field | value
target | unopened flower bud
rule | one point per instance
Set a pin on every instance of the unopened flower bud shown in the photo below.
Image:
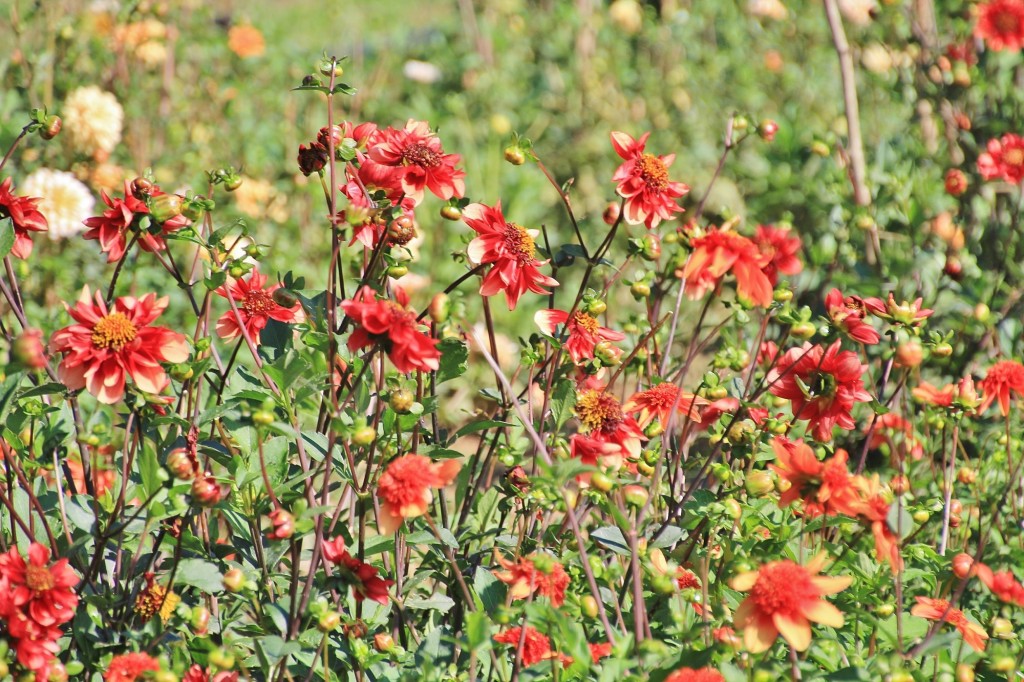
(50, 128)
(515, 155)
(635, 495)
(401, 400)
(383, 642)
(759, 483)
(165, 207)
(611, 213)
(181, 464)
(206, 492)
(283, 525)
(449, 212)
(29, 350)
(329, 621)
(767, 130)
(233, 580)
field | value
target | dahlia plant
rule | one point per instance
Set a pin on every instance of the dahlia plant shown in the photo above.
(678, 450)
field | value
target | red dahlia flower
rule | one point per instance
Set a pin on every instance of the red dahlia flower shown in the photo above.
(695, 675)
(1003, 378)
(404, 490)
(418, 152)
(643, 182)
(256, 306)
(42, 591)
(874, 509)
(824, 486)
(720, 251)
(785, 598)
(940, 609)
(535, 573)
(610, 435)
(584, 331)
(1001, 24)
(25, 217)
(848, 313)
(782, 247)
(1004, 159)
(364, 578)
(123, 215)
(130, 667)
(106, 345)
(510, 250)
(392, 325)
(658, 402)
(536, 646)
(822, 384)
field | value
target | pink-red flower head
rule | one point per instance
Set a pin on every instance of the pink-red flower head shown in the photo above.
(644, 183)
(405, 488)
(720, 251)
(417, 152)
(1003, 158)
(256, 306)
(392, 325)
(106, 346)
(1001, 24)
(584, 331)
(823, 385)
(510, 251)
(25, 217)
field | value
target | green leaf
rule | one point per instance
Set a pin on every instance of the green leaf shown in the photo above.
(6, 238)
(478, 629)
(435, 602)
(563, 400)
(612, 538)
(489, 589)
(203, 575)
(479, 426)
(900, 521)
(454, 354)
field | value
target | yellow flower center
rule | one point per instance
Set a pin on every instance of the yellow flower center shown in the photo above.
(519, 241)
(114, 331)
(598, 410)
(587, 322)
(653, 172)
(38, 578)
(1014, 157)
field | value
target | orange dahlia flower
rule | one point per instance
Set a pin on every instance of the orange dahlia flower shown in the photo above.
(106, 346)
(1003, 378)
(785, 598)
(536, 573)
(695, 675)
(940, 609)
(658, 402)
(720, 251)
(824, 486)
(404, 490)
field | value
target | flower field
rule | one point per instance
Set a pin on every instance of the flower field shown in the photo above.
(515, 340)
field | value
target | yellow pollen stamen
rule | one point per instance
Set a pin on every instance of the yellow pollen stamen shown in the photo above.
(519, 241)
(1014, 157)
(653, 172)
(114, 331)
(597, 410)
(38, 578)
(587, 322)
